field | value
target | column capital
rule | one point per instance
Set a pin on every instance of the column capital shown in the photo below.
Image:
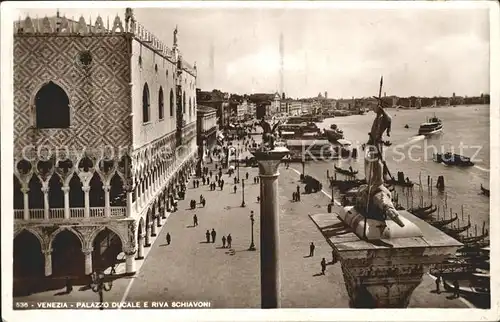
(106, 187)
(25, 190)
(65, 189)
(45, 189)
(47, 251)
(88, 250)
(86, 188)
(269, 160)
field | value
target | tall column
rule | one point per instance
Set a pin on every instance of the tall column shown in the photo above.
(269, 225)
(148, 234)
(107, 206)
(137, 198)
(66, 202)
(26, 203)
(140, 246)
(48, 261)
(88, 259)
(129, 201)
(45, 191)
(130, 261)
(86, 190)
(153, 226)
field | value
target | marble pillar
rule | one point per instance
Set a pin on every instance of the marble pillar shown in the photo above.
(269, 225)
(26, 203)
(107, 206)
(130, 260)
(45, 191)
(153, 226)
(140, 246)
(66, 202)
(48, 261)
(86, 190)
(147, 242)
(88, 260)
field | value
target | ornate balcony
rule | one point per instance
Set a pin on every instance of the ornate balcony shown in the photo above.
(74, 213)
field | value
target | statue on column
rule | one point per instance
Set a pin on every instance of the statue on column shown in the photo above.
(269, 134)
(374, 199)
(175, 36)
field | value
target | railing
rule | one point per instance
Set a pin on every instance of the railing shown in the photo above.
(56, 213)
(118, 211)
(74, 213)
(37, 213)
(18, 213)
(97, 212)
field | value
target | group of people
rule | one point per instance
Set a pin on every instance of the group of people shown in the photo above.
(211, 236)
(456, 286)
(296, 194)
(312, 247)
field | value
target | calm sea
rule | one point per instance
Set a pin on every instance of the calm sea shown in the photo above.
(465, 131)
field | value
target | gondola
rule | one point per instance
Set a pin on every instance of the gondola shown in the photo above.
(485, 191)
(449, 158)
(425, 213)
(345, 172)
(453, 232)
(395, 182)
(473, 239)
(443, 222)
(420, 209)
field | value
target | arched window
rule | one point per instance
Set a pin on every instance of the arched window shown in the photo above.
(184, 102)
(160, 104)
(190, 107)
(171, 103)
(145, 104)
(52, 107)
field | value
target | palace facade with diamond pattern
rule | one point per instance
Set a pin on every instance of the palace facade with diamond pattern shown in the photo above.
(104, 139)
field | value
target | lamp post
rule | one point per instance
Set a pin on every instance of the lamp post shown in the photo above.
(98, 285)
(243, 192)
(238, 165)
(252, 245)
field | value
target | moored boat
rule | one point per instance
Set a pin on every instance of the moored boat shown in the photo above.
(449, 158)
(485, 191)
(334, 133)
(433, 125)
(442, 222)
(349, 172)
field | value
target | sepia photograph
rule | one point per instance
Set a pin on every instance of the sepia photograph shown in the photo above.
(250, 155)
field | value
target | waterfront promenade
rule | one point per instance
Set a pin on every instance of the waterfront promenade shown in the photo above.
(189, 269)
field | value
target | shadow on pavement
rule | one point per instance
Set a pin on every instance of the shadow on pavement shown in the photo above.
(318, 274)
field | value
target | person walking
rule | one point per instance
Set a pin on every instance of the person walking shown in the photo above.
(298, 193)
(211, 173)
(235, 188)
(246, 175)
(207, 235)
(213, 234)
(221, 184)
(456, 289)
(311, 249)
(168, 238)
(223, 241)
(69, 285)
(438, 283)
(323, 266)
(229, 240)
(201, 198)
(195, 220)
(203, 202)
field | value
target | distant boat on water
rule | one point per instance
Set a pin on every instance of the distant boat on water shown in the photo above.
(433, 125)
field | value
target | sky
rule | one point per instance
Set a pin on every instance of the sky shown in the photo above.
(421, 52)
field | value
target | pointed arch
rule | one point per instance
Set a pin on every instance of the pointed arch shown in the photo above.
(35, 194)
(161, 108)
(18, 194)
(145, 104)
(67, 256)
(76, 194)
(106, 244)
(96, 193)
(28, 258)
(117, 195)
(52, 108)
(171, 102)
(56, 195)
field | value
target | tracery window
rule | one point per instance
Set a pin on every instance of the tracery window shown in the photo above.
(52, 107)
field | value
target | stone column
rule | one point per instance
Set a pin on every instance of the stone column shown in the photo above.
(86, 190)
(26, 203)
(140, 246)
(45, 191)
(107, 206)
(48, 261)
(130, 260)
(66, 202)
(153, 226)
(137, 198)
(161, 215)
(129, 201)
(148, 234)
(269, 226)
(88, 260)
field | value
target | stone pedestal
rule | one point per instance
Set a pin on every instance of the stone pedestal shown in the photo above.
(382, 273)
(130, 263)
(269, 225)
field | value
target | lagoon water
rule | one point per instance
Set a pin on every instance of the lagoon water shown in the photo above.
(466, 131)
